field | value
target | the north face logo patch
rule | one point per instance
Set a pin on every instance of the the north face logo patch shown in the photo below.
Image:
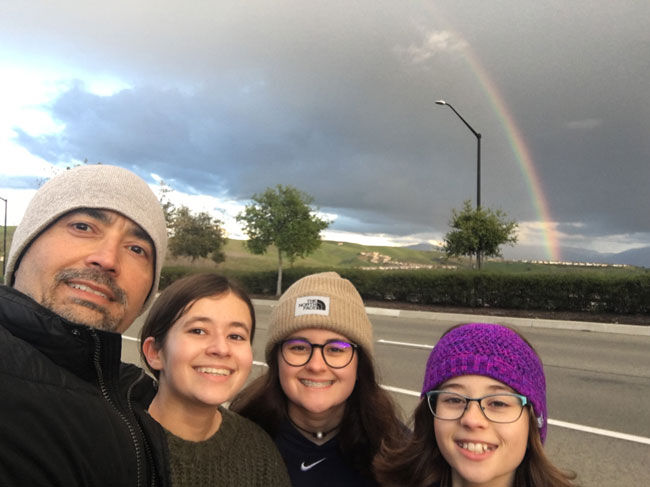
(313, 305)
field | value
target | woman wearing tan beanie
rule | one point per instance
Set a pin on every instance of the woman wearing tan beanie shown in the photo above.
(320, 400)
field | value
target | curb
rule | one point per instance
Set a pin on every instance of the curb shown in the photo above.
(634, 330)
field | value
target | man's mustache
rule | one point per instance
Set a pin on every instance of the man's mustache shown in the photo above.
(94, 275)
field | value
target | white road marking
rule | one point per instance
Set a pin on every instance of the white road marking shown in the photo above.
(555, 422)
(599, 431)
(406, 344)
(399, 390)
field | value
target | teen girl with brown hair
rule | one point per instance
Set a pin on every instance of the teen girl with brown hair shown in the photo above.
(319, 399)
(197, 343)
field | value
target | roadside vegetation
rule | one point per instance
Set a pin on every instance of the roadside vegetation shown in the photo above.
(342, 255)
(428, 277)
(420, 277)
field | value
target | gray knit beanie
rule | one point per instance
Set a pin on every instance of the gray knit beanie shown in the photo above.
(95, 186)
(326, 301)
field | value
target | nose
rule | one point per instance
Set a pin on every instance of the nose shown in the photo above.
(218, 346)
(473, 416)
(316, 362)
(105, 256)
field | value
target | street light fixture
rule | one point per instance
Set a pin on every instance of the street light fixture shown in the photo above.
(478, 151)
(478, 163)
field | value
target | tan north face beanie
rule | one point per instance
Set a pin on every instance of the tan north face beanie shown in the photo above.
(325, 301)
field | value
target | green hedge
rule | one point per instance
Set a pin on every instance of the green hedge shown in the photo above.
(531, 291)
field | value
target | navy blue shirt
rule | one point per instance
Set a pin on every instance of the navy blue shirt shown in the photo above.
(312, 465)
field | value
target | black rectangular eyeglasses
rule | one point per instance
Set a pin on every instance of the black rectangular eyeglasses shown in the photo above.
(336, 353)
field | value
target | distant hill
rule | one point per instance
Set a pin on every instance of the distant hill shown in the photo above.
(634, 257)
(344, 255)
(424, 246)
(330, 254)
(638, 257)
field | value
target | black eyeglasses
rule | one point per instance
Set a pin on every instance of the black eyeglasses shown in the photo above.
(498, 408)
(336, 353)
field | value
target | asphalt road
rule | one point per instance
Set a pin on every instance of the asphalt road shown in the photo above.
(598, 386)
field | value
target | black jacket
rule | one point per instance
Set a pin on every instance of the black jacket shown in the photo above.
(70, 413)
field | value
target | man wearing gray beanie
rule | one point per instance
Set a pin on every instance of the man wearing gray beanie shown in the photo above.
(85, 261)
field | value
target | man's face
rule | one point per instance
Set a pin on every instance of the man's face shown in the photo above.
(93, 267)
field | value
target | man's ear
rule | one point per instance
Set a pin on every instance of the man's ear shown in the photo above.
(152, 353)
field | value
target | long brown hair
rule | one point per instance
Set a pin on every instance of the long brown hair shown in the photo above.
(177, 298)
(417, 463)
(370, 417)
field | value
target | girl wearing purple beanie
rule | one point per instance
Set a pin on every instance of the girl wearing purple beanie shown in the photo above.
(482, 419)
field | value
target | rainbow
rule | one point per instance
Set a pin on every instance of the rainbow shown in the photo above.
(521, 152)
(517, 144)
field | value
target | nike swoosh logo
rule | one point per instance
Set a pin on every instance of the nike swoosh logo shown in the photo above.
(305, 468)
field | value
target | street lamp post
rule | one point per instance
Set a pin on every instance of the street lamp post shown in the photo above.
(478, 164)
(4, 245)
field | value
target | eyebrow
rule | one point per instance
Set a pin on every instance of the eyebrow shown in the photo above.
(326, 340)
(492, 388)
(207, 319)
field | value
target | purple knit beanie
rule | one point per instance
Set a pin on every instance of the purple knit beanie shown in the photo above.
(493, 351)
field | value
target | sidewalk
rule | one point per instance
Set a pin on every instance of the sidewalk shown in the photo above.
(515, 321)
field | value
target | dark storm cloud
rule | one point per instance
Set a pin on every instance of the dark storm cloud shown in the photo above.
(216, 145)
(338, 100)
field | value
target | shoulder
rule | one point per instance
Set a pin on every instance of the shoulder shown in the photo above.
(243, 426)
(252, 442)
(136, 385)
(249, 437)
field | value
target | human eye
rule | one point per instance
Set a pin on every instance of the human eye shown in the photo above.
(196, 331)
(500, 402)
(136, 249)
(337, 347)
(298, 346)
(237, 337)
(80, 226)
(139, 247)
(452, 399)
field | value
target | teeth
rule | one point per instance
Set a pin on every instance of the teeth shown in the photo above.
(475, 447)
(311, 383)
(87, 289)
(213, 371)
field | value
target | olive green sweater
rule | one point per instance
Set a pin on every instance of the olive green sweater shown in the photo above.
(239, 454)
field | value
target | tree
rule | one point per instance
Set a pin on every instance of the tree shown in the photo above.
(167, 206)
(479, 231)
(282, 216)
(196, 235)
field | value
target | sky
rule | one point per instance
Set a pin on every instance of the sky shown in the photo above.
(223, 99)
